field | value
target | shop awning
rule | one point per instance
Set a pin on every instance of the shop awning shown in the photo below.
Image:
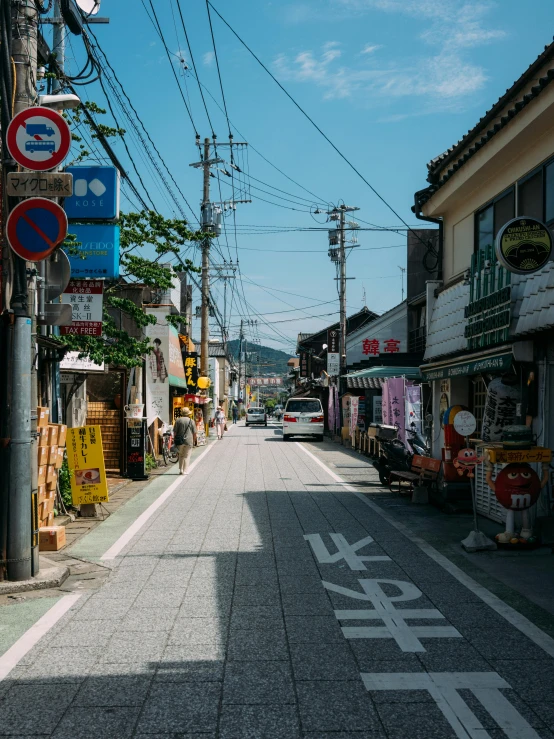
(499, 360)
(374, 376)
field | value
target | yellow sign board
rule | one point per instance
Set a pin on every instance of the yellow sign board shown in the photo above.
(85, 458)
(533, 455)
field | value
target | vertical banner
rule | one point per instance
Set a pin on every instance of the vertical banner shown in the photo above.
(191, 371)
(85, 459)
(413, 406)
(331, 409)
(157, 374)
(385, 404)
(354, 405)
(397, 405)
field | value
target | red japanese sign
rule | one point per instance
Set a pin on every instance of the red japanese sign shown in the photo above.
(374, 347)
(86, 300)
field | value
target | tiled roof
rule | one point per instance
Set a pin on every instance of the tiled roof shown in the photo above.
(375, 383)
(489, 125)
(447, 322)
(534, 306)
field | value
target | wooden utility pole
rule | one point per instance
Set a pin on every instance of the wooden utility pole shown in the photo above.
(206, 219)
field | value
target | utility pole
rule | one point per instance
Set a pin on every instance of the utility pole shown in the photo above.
(22, 445)
(205, 329)
(337, 238)
(402, 270)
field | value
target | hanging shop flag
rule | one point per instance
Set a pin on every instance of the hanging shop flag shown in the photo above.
(413, 406)
(386, 416)
(397, 405)
(85, 459)
(354, 405)
(500, 408)
(86, 300)
(164, 366)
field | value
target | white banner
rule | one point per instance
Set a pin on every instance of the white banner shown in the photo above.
(157, 375)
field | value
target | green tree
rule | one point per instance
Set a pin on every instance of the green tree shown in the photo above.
(166, 238)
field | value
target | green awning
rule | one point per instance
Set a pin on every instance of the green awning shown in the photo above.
(472, 364)
(410, 373)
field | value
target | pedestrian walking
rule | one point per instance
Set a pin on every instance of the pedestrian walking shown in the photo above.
(220, 421)
(184, 433)
(235, 414)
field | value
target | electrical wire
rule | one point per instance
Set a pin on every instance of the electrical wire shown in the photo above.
(314, 124)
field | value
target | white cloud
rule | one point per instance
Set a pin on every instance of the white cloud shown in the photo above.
(370, 48)
(208, 58)
(439, 80)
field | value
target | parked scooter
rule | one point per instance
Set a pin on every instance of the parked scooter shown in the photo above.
(395, 455)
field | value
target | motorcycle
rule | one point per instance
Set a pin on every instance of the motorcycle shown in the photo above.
(395, 455)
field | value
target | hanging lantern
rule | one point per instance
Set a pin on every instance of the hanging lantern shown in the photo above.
(204, 382)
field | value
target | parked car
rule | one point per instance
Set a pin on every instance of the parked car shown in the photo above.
(303, 417)
(256, 414)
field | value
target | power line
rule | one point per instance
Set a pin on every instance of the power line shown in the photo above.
(314, 124)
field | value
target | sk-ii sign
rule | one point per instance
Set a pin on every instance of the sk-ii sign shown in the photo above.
(95, 194)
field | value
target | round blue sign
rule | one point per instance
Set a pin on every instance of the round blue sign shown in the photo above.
(35, 227)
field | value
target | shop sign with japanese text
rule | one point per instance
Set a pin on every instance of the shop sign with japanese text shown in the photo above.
(85, 458)
(261, 381)
(191, 370)
(333, 340)
(44, 184)
(524, 245)
(305, 364)
(375, 347)
(534, 455)
(501, 363)
(86, 300)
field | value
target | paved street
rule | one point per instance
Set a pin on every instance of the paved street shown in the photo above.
(266, 598)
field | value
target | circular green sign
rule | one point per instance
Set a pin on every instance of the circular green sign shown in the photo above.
(524, 245)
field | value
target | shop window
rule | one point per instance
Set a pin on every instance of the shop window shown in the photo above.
(530, 196)
(478, 400)
(485, 227)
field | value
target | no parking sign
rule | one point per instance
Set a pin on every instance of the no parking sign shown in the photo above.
(35, 227)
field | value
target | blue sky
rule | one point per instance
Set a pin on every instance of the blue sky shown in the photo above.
(392, 82)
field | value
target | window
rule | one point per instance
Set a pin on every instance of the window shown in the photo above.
(490, 220)
(549, 193)
(303, 406)
(529, 193)
(535, 194)
(478, 400)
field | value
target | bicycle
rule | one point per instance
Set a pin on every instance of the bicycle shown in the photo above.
(170, 452)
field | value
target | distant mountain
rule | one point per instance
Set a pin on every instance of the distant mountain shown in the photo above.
(271, 361)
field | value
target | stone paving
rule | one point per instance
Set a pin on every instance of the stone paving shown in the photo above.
(263, 599)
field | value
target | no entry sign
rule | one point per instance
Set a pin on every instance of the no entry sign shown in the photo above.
(35, 227)
(38, 139)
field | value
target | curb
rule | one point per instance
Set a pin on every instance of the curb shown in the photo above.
(50, 576)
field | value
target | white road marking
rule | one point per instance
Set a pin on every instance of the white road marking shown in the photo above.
(345, 551)
(31, 637)
(394, 620)
(444, 686)
(517, 620)
(137, 525)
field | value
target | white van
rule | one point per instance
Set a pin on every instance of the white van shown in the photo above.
(303, 417)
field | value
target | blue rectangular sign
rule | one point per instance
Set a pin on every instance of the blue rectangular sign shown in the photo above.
(98, 250)
(95, 194)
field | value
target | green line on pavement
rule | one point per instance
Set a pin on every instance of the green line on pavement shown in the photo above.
(16, 618)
